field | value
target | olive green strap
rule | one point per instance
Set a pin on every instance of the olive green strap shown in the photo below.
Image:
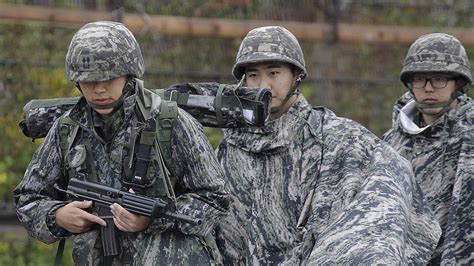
(175, 96)
(59, 253)
(218, 105)
(67, 133)
(168, 111)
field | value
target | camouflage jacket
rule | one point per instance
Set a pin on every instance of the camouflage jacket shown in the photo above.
(442, 157)
(198, 185)
(365, 208)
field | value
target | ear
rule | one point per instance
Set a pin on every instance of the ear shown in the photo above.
(460, 83)
(297, 74)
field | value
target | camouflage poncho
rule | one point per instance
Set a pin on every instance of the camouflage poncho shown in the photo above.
(442, 157)
(366, 208)
(198, 187)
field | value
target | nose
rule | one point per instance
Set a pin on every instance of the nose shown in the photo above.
(265, 83)
(429, 86)
(99, 87)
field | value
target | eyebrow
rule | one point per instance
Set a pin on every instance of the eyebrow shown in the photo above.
(250, 69)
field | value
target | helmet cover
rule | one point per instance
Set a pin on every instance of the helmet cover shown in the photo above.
(103, 50)
(270, 43)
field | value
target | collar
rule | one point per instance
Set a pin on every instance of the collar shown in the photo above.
(407, 117)
(275, 135)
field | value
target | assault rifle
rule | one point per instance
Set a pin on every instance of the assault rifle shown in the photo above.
(103, 196)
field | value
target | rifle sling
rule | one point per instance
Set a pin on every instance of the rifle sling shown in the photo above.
(59, 253)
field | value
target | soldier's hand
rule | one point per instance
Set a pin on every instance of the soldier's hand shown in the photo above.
(127, 221)
(75, 219)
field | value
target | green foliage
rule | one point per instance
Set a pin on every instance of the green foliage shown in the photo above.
(17, 151)
(307, 91)
(214, 135)
(358, 81)
(19, 250)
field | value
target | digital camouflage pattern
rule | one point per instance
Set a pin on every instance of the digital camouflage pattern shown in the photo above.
(198, 185)
(436, 52)
(198, 99)
(442, 158)
(39, 115)
(366, 208)
(271, 43)
(103, 50)
(228, 106)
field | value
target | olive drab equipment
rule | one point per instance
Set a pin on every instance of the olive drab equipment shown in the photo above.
(271, 43)
(158, 130)
(212, 104)
(221, 105)
(153, 132)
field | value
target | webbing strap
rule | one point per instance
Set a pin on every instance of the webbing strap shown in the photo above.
(67, 134)
(147, 137)
(218, 105)
(59, 253)
(156, 129)
(168, 111)
(179, 97)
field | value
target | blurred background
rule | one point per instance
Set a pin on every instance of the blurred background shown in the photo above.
(354, 52)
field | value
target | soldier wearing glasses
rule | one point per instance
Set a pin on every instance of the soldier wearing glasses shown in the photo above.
(433, 129)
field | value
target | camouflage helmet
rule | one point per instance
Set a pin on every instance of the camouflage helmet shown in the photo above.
(103, 50)
(436, 52)
(270, 43)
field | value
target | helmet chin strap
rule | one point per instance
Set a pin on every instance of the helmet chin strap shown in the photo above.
(278, 110)
(443, 105)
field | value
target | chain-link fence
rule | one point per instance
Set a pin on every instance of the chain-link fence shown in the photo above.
(356, 80)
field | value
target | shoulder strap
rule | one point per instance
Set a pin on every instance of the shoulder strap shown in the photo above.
(168, 111)
(59, 252)
(157, 131)
(67, 134)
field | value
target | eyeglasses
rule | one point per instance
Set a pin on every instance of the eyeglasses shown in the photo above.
(438, 82)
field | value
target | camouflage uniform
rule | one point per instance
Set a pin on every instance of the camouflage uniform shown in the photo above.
(441, 154)
(197, 182)
(313, 188)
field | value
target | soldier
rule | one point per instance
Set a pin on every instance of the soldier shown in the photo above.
(100, 140)
(433, 128)
(310, 187)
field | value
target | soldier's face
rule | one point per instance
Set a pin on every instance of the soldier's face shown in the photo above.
(103, 93)
(276, 76)
(433, 92)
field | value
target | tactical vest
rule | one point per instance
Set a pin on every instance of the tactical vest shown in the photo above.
(156, 133)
